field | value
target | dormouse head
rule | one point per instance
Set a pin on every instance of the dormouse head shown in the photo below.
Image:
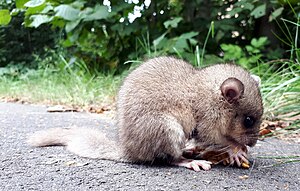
(244, 109)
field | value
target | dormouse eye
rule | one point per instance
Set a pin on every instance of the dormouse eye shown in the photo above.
(249, 122)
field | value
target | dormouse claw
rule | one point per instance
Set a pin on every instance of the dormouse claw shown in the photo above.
(237, 156)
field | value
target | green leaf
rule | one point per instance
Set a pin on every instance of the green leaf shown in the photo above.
(244, 62)
(20, 3)
(129, 30)
(249, 48)
(72, 25)
(259, 43)
(246, 5)
(37, 20)
(275, 14)
(15, 12)
(159, 39)
(47, 9)
(35, 10)
(67, 43)
(193, 41)
(254, 58)
(259, 11)
(173, 23)
(189, 35)
(56, 22)
(73, 37)
(232, 52)
(4, 17)
(99, 12)
(78, 4)
(67, 12)
(252, 49)
(235, 11)
(181, 44)
(85, 12)
(34, 3)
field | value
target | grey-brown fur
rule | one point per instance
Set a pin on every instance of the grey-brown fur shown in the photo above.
(165, 89)
(163, 101)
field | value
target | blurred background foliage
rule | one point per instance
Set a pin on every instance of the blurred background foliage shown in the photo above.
(103, 35)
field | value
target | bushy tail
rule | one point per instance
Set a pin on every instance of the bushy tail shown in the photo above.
(85, 142)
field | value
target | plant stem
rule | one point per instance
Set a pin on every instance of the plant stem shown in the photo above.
(205, 42)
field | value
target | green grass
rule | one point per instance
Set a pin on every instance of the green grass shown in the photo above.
(281, 90)
(60, 87)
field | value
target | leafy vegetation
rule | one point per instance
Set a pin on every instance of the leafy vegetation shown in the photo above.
(105, 35)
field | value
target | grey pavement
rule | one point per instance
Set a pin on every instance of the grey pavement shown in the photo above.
(53, 168)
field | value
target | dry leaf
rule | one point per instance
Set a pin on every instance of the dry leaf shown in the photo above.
(264, 132)
(98, 109)
(61, 108)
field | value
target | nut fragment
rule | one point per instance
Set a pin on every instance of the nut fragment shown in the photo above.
(244, 177)
(245, 165)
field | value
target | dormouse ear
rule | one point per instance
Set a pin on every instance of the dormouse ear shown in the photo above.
(232, 89)
(257, 79)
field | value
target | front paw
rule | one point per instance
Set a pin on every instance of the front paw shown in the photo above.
(238, 156)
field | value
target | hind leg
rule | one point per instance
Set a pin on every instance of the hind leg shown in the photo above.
(157, 137)
(152, 137)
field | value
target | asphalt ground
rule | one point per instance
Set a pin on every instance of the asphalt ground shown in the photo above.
(53, 168)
